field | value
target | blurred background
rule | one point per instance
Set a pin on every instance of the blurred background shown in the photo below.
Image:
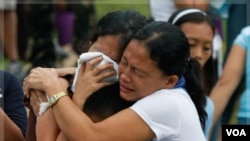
(52, 33)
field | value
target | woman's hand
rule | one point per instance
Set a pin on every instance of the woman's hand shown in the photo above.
(89, 79)
(42, 79)
(36, 98)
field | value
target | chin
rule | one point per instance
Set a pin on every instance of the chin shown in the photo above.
(127, 97)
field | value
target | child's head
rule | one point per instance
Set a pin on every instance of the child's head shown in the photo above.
(105, 102)
(116, 28)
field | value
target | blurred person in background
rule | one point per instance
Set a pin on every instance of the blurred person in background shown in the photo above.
(13, 115)
(8, 36)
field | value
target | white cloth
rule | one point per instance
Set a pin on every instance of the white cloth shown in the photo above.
(161, 10)
(171, 115)
(85, 57)
(43, 107)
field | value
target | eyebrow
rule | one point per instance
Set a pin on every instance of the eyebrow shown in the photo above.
(195, 39)
(125, 58)
(140, 70)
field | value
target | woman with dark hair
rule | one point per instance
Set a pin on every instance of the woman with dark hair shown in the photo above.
(200, 31)
(154, 61)
(110, 36)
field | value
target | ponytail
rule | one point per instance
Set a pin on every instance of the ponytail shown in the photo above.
(195, 89)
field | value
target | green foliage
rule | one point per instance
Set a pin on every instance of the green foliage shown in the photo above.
(104, 6)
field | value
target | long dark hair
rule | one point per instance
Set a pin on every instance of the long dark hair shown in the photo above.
(182, 16)
(168, 46)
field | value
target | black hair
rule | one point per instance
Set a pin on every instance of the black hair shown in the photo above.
(209, 70)
(196, 17)
(105, 102)
(121, 22)
(169, 48)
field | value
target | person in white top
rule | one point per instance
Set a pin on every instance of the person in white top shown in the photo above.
(161, 10)
(154, 61)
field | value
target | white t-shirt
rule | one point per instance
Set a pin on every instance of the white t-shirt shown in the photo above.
(171, 114)
(161, 10)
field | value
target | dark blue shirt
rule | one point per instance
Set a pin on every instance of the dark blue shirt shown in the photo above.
(11, 100)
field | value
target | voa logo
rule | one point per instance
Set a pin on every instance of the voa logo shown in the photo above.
(236, 132)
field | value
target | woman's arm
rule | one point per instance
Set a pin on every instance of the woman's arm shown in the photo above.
(46, 127)
(228, 81)
(76, 125)
(11, 131)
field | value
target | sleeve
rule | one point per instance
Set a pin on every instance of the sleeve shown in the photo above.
(243, 38)
(158, 112)
(13, 101)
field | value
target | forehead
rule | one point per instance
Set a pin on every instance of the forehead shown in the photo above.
(137, 48)
(197, 29)
(137, 54)
(138, 59)
(109, 45)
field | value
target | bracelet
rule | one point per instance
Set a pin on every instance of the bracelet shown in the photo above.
(54, 98)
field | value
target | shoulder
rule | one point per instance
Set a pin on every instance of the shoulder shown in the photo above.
(8, 77)
(170, 99)
(165, 94)
(12, 88)
(243, 38)
(9, 80)
(161, 108)
(246, 30)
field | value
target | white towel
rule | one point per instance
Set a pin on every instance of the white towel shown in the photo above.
(43, 107)
(85, 57)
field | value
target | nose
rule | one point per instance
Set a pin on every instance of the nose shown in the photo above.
(196, 53)
(124, 75)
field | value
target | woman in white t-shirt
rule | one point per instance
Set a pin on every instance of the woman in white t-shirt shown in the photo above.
(154, 61)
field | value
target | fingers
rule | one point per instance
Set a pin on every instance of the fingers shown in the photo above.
(34, 102)
(26, 88)
(105, 74)
(36, 97)
(42, 97)
(97, 69)
(26, 85)
(90, 65)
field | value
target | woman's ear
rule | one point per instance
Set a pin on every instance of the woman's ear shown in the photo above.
(172, 80)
